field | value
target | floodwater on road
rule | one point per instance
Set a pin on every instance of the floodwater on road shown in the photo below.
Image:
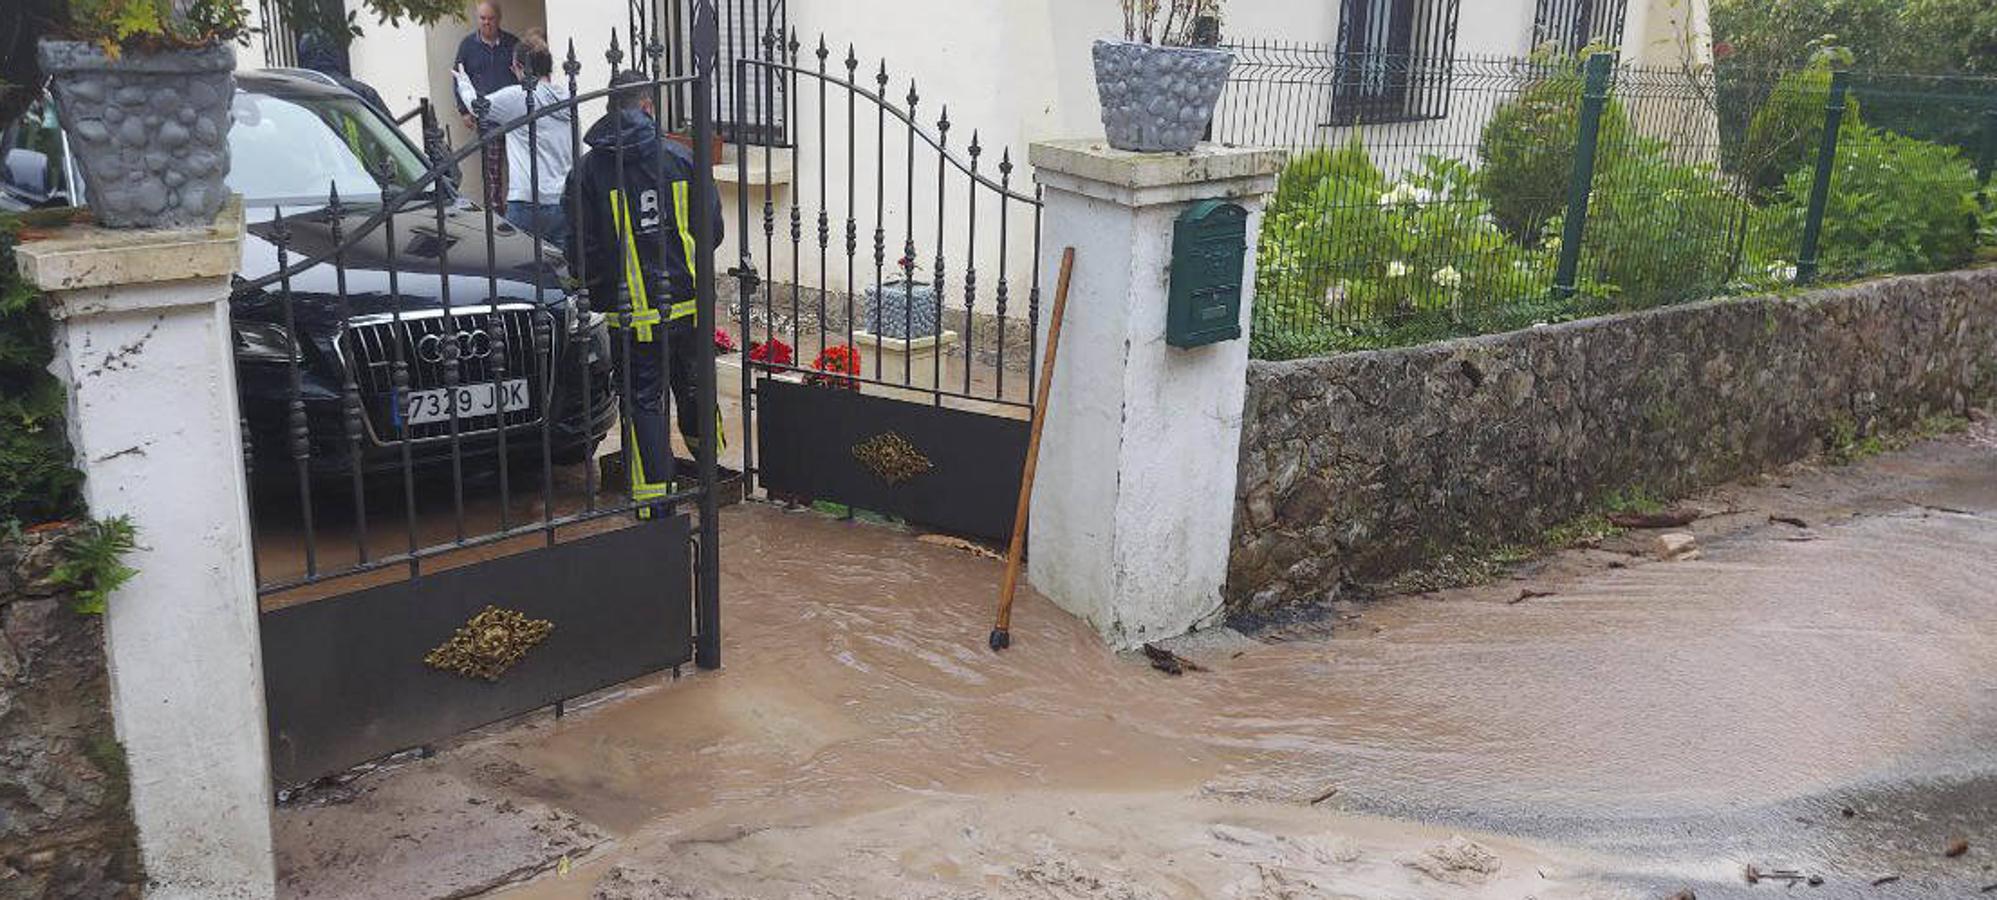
(1647, 726)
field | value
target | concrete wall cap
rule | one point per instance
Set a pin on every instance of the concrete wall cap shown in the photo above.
(85, 256)
(1095, 160)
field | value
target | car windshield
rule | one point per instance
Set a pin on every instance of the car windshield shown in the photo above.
(293, 149)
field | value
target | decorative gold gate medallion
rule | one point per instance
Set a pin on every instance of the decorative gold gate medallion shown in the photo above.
(489, 643)
(892, 457)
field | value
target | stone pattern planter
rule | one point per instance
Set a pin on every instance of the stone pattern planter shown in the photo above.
(149, 132)
(1158, 99)
(901, 311)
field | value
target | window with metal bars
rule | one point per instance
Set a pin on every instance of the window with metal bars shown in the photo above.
(1394, 60)
(1570, 25)
(753, 30)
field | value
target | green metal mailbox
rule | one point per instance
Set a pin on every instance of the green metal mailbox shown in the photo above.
(1208, 245)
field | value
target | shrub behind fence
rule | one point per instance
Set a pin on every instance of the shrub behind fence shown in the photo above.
(1485, 194)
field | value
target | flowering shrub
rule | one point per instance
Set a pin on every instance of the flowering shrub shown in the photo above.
(773, 352)
(1360, 246)
(723, 341)
(833, 363)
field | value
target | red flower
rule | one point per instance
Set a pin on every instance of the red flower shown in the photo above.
(723, 341)
(1722, 49)
(773, 353)
(836, 361)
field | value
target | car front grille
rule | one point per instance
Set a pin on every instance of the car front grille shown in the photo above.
(370, 346)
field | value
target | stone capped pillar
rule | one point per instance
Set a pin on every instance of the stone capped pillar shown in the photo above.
(1133, 506)
(143, 348)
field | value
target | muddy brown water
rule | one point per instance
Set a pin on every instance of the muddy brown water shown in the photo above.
(1665, 722)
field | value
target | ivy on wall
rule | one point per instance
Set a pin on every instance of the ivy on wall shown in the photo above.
(37, 481)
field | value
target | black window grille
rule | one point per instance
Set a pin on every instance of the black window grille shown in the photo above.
(1394, 60)
(757, 30)
(1571, 25)
(280, 41)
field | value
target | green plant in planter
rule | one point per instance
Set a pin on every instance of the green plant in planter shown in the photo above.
(155, 24)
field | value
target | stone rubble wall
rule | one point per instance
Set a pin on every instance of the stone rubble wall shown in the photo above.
(65, 823)
(1358, 467)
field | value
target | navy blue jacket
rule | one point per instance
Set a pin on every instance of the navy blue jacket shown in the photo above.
(656, 183)
(490, 67)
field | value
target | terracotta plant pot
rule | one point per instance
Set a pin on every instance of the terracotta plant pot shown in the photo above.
(1158, 99)
(148, 131)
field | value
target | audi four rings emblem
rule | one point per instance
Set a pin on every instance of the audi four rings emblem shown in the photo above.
(471, 345)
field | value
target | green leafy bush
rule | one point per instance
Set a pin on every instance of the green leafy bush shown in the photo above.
(1787, 132)
(1896, 205)
(1527, 149)
(37, 482)
(1658, 230)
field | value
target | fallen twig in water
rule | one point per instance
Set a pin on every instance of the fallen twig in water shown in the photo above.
(1170, 663)
(1670, 518)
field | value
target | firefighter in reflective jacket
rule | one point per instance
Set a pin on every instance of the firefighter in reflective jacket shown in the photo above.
(634, 241)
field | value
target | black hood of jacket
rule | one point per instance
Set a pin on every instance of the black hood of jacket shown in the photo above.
(629, 129)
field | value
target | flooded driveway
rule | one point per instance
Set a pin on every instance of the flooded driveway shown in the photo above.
(1815, 699)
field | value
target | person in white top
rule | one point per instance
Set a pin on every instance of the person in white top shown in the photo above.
(537, 159)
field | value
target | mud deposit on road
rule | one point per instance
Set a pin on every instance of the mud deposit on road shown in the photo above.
(1647, 726)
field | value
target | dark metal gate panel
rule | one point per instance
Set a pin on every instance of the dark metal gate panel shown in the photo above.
(948, 469)
(346, 678)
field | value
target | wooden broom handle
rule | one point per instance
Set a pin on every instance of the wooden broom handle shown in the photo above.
(1017, 550)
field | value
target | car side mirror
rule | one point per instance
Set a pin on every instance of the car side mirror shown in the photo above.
(27, 174)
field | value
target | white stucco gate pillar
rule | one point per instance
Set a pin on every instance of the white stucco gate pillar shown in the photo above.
(1133, 505)
(144, 349)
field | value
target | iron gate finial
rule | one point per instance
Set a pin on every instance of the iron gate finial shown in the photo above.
(706, 37)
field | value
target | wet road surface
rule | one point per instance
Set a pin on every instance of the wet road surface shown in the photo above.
(1650, 726)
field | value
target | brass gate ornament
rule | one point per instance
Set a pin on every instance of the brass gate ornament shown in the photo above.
(892, 457)
(489, 643)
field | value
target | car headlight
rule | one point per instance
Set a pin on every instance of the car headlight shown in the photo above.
(265, 342)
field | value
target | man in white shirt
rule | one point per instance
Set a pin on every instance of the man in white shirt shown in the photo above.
(538, 159)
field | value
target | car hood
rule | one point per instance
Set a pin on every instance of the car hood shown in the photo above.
(471, 260)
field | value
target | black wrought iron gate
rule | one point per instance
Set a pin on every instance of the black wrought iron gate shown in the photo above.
(425, 388)
(897, 381)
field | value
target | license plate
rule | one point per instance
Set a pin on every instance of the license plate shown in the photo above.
(469, 400)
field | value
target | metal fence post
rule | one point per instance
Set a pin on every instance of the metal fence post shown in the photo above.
(1820, 187)
(1594, 96)
(706, 44)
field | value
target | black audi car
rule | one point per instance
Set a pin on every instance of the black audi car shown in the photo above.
(474, 311)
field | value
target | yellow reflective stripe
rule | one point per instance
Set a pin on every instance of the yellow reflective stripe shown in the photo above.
(634, 274)
(683, 310)
(642, 489)
(686, 230)
(646, 318)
